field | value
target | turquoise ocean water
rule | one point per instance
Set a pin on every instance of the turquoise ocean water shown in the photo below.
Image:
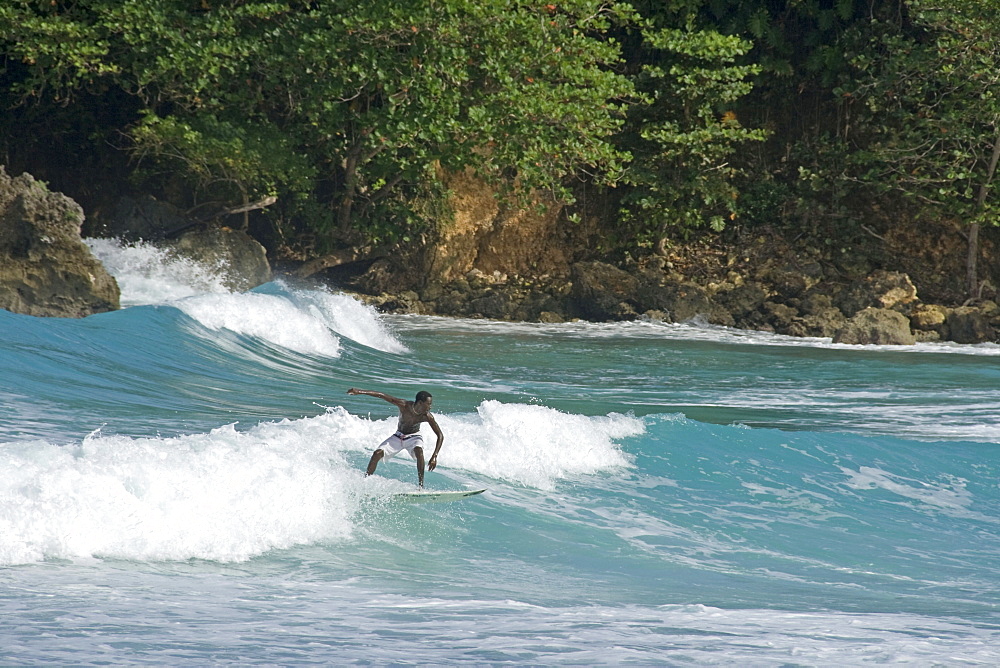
(181, 483)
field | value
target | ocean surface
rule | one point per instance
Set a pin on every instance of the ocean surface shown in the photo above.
(181, 483)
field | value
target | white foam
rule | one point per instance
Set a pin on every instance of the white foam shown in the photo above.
(150, 275)
(298, 319)
(686, 331)
(224, 495)
(949, 496)
(528, 445)
(347, 316)
(533, 445)
(230, 495)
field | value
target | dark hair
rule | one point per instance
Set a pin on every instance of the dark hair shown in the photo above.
(423, 395)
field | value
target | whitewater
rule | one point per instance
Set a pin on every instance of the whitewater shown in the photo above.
(182, 483)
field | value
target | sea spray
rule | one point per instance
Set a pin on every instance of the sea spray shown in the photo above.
(147, 274)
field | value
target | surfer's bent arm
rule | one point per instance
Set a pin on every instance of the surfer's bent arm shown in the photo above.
(432, 462)
(378, 395)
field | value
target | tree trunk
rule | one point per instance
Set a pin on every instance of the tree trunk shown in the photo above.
(972, 275)
(971, 260)
(350, 187)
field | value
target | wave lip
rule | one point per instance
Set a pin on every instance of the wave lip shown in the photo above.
(267, 317)
(305, 321)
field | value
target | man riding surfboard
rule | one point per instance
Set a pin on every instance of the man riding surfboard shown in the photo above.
(407, 436)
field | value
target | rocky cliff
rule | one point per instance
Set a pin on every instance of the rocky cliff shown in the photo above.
(485, 262)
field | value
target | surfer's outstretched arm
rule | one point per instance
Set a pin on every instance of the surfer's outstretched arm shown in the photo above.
(379, 395)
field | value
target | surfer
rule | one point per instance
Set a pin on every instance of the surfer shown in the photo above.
(407, 436)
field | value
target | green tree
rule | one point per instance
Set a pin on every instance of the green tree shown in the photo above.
(932, 98)
(683, 136)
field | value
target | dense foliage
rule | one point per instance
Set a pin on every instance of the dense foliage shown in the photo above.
(700, 112)
(933, 99)
(684, 134)
(353, 106)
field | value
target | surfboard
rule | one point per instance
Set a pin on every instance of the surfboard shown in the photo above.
(428, 496)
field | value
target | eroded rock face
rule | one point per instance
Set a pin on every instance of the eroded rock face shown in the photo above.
(45, 268)
(681, 302)
(968, 324)
(485, 235)
(603, 292)
(881, 289)
(930, 319)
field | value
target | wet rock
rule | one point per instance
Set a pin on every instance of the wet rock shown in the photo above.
(45, 268)
(404, 302)
(536, 304)
(238, 259)
(818, 316)
(550, 317)
(494, 304)
(782, 317)
(682, 302)
(876, 326)
(825, 322)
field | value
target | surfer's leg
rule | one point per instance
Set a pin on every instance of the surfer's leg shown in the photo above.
(373, 462)
(386, 448)
(418, 452)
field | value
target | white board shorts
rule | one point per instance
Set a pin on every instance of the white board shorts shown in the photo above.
(400, 441)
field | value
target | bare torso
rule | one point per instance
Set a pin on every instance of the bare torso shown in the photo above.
(409, 419)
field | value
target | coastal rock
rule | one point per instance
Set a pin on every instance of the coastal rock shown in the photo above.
(481, 233)
(681, 302)
(493, 304)
(602, 292)
(380, 278)
(743, 299)
(550, 317)
(819, 317)
(45, 268)
(783, 318)
(785, 279)
(876, 326)
(930, 318)
(969, 324)
(826, 322)
(233, 254)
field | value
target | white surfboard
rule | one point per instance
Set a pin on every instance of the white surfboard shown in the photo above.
(428, 496)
